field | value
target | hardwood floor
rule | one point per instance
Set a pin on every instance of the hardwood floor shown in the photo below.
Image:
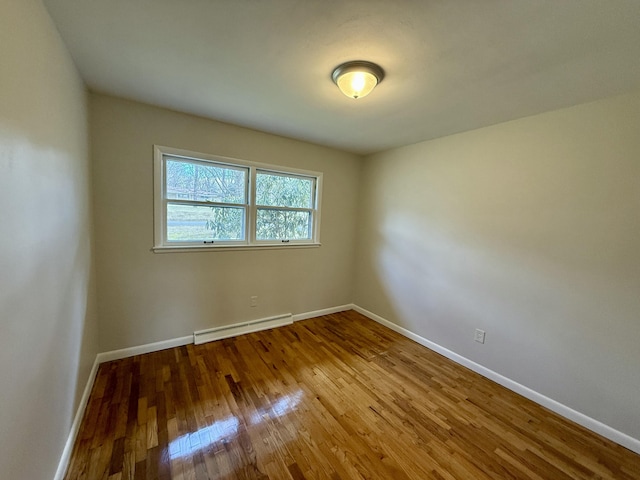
(335, 397)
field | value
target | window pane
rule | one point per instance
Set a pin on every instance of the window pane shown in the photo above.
(283, 225)
(214, 183)
(275, 190)
(193, 223)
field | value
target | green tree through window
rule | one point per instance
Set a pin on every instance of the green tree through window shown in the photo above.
(284, 203)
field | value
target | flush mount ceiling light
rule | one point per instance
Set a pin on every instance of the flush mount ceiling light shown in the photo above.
(358, 78)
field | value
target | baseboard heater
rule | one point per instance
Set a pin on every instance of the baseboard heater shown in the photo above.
(218, 333)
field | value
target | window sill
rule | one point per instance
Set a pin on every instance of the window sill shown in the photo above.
(219, 248)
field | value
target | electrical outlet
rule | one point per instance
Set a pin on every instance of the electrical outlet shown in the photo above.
(479, 335)
(254, 301)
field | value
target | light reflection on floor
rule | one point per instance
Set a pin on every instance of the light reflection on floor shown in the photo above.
(190, 443)
(279, 408)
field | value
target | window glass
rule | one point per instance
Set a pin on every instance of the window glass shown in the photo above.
(275, 224)
(193, 223)
(278, 190)
(206, 183)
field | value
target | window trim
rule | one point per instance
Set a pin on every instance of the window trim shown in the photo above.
(250, 242)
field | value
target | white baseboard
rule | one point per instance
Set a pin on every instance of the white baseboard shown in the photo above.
(141, 349)
(228, 331)
(179, 341)
(325, 311)
(63, 464)
(592, 424)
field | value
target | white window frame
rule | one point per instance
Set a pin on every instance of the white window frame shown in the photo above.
(250, 242)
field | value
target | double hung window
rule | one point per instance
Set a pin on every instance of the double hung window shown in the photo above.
(204, 201)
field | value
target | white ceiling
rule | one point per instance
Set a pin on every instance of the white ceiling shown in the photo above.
(451, 65)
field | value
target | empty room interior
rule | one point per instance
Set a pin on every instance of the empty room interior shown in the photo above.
(291, 239)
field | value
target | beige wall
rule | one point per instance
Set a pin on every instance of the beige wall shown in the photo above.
(48, 329)
(147, 297)
(529, 230)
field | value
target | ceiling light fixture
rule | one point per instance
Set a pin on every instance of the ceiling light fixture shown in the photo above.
(358, 78)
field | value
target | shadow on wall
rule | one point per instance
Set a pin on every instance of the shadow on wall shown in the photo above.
(548, 325)
(45, 298)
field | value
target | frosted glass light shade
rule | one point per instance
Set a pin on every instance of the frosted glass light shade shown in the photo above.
(357, 79)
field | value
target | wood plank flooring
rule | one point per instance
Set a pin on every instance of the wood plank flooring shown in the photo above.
(335, 397)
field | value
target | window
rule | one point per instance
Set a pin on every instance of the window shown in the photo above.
(205, 201)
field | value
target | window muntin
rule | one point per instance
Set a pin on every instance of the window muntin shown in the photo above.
(204, 201)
